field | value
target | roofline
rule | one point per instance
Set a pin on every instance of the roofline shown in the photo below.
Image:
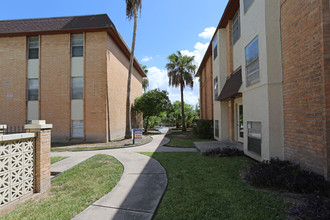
(112, 31)
(230, 10)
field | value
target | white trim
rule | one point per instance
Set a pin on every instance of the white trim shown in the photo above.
(11, 137)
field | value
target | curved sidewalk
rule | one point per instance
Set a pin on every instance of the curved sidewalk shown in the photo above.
(140, 189)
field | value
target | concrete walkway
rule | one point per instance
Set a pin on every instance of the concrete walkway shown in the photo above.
(141, 187)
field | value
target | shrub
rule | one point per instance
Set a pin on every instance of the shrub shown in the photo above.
(314, 207)
(286, 175)
(203, 128)
(224, 152)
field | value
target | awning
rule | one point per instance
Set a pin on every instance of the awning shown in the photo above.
(232, 86)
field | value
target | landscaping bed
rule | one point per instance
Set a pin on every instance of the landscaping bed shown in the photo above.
(73, 191)
(211, 188)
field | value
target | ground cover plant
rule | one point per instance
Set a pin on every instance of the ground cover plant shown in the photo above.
(73, 190)
(183, 139)
(56, 159)
(285, 175)
(211, 188)
(224, 152)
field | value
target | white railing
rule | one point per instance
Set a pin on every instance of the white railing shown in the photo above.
(16, 166)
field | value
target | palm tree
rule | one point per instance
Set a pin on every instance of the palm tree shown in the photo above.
(180, 73)
(145, 80)
(132, 8)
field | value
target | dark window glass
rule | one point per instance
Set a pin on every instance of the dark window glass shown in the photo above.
(215, 88)
(236, 28)
(33, 48)
(247, 4)
(77, 88)
(252, 62)
(77, 45)
(33, 89)
(215, 48)
(77, 128)
(216, 128)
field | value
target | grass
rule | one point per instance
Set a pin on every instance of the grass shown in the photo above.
(56, 159)
(183, 139)
(211, 188)
(73, 191)
(89, 148)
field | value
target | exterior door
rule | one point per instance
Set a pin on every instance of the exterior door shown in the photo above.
(239, 122)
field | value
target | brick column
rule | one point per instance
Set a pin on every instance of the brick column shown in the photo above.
(2, 129)
(42, 154)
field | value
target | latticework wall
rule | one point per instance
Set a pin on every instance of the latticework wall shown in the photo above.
(16, 169)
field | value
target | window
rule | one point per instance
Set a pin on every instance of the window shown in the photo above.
(215, 88)
(77, 45)
(215, 48)
(33, 48)
(247, 4)
(236, 28)
(216, 128)
(77, 128)
(33, 87)
(77, 87)
(252, 62)
(254, 137)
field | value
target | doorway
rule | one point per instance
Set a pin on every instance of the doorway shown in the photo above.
(239, 121)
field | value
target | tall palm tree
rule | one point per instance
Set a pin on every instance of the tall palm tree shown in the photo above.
(132, 8)
(180, 73)
(145, 80)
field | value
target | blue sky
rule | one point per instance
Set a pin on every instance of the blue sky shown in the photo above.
(164, 27)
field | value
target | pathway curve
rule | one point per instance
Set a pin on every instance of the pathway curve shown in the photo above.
(141, 187)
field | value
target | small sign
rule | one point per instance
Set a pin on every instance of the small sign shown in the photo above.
(137, 133)
(10, 95)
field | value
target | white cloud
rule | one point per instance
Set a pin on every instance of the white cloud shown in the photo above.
(199, 52)
(146, 59)
(157, 78)
(207, 33)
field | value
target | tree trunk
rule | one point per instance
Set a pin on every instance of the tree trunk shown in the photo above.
(128, 132)
(182, 109)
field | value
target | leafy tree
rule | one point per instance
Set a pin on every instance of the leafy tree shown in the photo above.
(180, 73)
(132, 8)
(145, 80)
(174, 114)
(152, 103)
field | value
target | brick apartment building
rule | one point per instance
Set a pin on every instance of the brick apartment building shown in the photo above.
(271, 80)
(71, 72)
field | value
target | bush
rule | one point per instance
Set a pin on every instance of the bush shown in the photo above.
(224, 152)
(315, 206)
(203, 128)
(286, 175)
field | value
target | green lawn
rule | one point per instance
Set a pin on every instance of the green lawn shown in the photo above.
(183, 139)
(73, 191)
(56, 159)
(211, 188)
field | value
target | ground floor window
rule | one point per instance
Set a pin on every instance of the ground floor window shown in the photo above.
(77, 128)
(254, 137)
(216, 128)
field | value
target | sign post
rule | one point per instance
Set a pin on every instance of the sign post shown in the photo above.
(137, 134)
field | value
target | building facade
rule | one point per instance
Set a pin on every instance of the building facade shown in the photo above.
(270, 64)
(71, 72)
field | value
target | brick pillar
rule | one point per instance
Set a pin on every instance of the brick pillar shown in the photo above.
(231, 121)
(2, 129)
(42, 154)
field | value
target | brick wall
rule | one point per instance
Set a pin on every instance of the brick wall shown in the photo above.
(55, 70)
(206, 91)
(13, 80)
(305, 82)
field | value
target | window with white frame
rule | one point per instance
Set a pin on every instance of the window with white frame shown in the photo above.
(216, 128)
(252, 62)
(215, 88)
(77, 45)
(33, 47)
(77, 88)
(215, 47)
(247, 4)
(77, 128)
(33, 89)
(236, 27)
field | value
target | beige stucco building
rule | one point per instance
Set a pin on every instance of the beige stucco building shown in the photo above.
(71, 72)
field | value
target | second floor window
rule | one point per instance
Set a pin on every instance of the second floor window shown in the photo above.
(77, 88)
(247, 4)
(33, 89)
(252, 62)
(215, 47)
(77, 45)
(215, 88)
(236, 28)
(33, 48)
